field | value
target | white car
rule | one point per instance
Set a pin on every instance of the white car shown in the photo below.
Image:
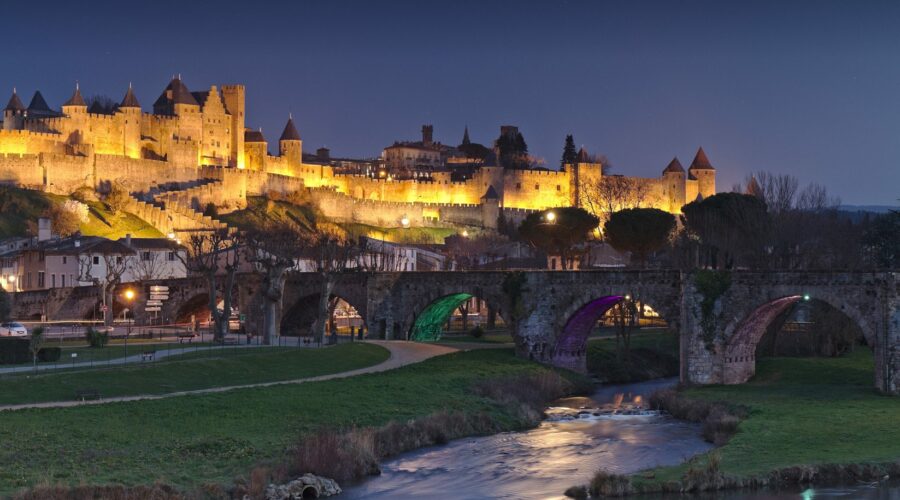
(13, 330)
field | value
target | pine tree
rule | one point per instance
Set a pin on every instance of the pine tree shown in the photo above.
(570, 155)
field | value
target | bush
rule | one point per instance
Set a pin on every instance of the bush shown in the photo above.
(96, 338)
(49, 354)
(605, 484)
(117, 198)
(476, 332)
(64, 222)
(211, 210)
(84, 194)
(14, 351)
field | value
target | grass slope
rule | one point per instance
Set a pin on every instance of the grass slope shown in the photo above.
(806, 411)
(260, 210)
(19, 206)
(193, 440)
(199, 370)
(426, 235)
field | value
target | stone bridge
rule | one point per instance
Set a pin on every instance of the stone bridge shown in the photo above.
(720, 317)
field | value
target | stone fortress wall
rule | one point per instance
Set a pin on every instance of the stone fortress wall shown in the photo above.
(195, 137)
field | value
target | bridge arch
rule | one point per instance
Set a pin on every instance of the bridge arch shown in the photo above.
(299, 316)
(429, 315)
(744, 334)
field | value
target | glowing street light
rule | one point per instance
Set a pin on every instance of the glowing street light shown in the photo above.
(806, 297)
(465, 233)
(171, 235)
(551, 216)
(404, 221)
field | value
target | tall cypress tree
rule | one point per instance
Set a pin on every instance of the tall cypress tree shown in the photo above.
(570, 155)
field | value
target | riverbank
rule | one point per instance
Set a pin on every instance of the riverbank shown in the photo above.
(204, 442)
(809, 420)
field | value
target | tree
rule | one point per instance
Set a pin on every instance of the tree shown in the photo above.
(65, 222)
(149, 266)
(35, 344)
(215, 255)
(117, 198)
(115, 261)
(101, 104)
(5, 307)
(558, 231)
(732, 229)
(570, 154)
(331, 251)
(274, 249)
(512, 149)
(608, 194)
(883, 240)
(640, 231)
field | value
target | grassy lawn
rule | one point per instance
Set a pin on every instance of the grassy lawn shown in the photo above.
(212, 438)
(400, 234)
(490, 337)
(198, 370)
(22, 205)
(807, 411)
(654, 354)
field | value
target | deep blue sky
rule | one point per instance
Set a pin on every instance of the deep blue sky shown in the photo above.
(808, 88)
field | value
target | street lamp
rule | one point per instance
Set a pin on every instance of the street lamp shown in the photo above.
(551, 216)
(129, 297)
(404, 221)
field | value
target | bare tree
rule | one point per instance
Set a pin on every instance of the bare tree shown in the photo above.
(380, 256)
(332, 251)
(215, 255)
(148, 266)
(611, 193)
(106, 277)
(274, 250)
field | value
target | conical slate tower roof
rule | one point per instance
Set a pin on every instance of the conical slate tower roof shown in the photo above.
(176, 92)
(76, 99)
(466, 141)
(674, 167)
(130, 101)
(38, 103)
(290, 131)
(254, 136)
(583, 156)
(14, 104)
(701, 162)
(490, 194)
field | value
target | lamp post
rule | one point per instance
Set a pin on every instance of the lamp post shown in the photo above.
(129, 297)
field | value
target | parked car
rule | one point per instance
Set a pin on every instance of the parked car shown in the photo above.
(13, 329)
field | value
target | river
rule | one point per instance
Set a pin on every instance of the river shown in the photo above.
(609, 430)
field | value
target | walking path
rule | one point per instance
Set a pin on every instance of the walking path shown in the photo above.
(402, 354)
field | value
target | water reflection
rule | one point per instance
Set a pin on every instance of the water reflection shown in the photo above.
(610, 429)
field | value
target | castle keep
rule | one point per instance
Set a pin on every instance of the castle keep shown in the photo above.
(201, 139)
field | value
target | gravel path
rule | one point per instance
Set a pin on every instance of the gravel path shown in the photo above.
(402, 354)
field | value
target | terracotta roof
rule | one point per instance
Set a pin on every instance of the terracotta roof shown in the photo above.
(76, 99)
(701, 162)
(15, 104)
(254, 136)
(290, 132)
(674, 167)
(491, 194)
(130, 101)
(38, 103)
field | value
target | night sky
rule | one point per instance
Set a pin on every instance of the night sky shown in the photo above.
(807, 88)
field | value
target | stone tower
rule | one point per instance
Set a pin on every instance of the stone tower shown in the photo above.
(130, 110)
(428, 135)
(290, 145)
(14, 113)
(674, 185)
(585, 173)
(233, 96)
(255, 150)
(76, 110)
(702, 170)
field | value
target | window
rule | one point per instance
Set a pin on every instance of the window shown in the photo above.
(171, 256)
(145, 256)
(64, 259)
(40, 279)
(518, 186)
(53, 281)
(537, 187)
(118, 259)
(96, 260)
(62, 279)
(558, 187)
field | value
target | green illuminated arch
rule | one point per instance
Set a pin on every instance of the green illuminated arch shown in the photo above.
(431, 322)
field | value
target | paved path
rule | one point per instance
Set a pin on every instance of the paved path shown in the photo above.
(402, 354)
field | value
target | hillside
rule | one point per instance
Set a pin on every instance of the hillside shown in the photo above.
(21, 206)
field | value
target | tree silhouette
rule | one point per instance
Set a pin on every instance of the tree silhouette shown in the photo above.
(570, 155)
(640, 231)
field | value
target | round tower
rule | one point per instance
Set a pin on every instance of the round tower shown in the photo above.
(290, 145)
(705, 174)
(14, 113)
(675, 186)
(130, 114)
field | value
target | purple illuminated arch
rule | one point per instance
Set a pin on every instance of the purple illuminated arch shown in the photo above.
(574, 336)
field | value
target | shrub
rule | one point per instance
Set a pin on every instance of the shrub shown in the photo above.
(63, 221)
(49, 354)
(96, 338)
(84, 194)
(14, 351)
(605, 484)
(476, 332)
(211, 210)
(117, 198)
(720, 421)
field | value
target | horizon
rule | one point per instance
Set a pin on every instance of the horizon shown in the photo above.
(788, 89)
